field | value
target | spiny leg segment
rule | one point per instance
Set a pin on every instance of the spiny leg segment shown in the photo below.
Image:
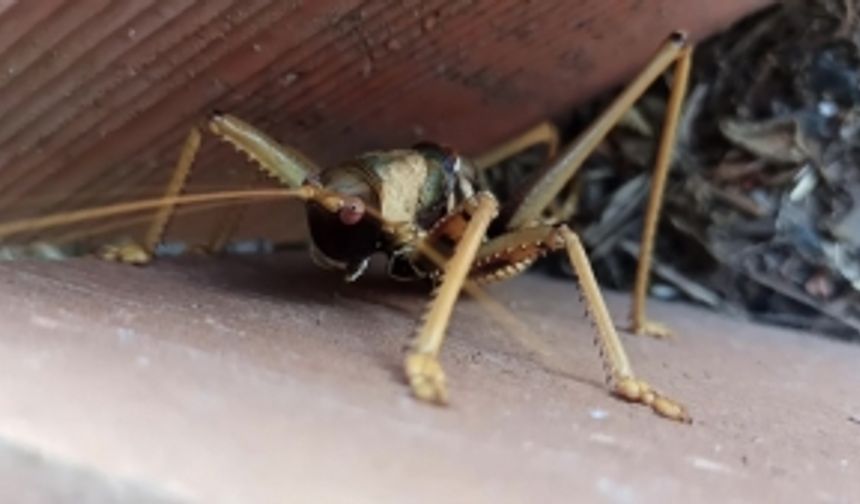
(619, 372)
(508, 255)
(422, 367)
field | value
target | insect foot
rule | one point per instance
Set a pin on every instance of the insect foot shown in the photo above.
(635, 390)
(126, 253)
(426, 378)
(654, 329)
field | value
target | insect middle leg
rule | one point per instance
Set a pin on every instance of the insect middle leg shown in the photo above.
(508, 255)
(544, 133)
(528, 208)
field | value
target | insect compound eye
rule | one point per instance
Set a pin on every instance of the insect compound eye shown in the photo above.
(352, 211)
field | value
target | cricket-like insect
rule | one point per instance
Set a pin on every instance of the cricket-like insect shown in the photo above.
(424, 208)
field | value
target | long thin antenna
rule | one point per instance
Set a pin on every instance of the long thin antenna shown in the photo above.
(73, 217)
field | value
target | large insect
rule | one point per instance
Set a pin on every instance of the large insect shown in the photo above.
(426, 210)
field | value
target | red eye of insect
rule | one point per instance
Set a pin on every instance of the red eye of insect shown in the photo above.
(352, 211)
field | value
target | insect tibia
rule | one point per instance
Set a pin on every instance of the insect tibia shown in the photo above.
(589, 315)
(425, 317)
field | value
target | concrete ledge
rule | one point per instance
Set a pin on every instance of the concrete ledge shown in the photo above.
(264, 380)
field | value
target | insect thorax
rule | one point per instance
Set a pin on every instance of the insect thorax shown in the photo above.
(415, 187)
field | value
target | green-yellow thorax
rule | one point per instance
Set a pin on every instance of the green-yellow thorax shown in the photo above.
(414, 188)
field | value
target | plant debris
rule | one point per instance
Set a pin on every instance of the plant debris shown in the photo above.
(762, 214)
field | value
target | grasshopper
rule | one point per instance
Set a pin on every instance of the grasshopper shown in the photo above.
(425, 209)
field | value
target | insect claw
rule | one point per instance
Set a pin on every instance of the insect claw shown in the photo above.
(670, 409)
(634, 390)
(652, 329)
(426, 378)
(126, 253)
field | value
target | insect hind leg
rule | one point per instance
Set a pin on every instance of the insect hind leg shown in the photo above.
(286, 165)
(639, 321)
(130, 252)
(529, 207)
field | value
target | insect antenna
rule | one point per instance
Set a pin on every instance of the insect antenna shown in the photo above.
(88, 214)
(39, 202)
(128, 222)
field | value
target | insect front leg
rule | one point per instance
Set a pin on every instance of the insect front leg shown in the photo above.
(422, 367)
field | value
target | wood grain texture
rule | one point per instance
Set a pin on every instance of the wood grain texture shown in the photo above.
(96, 96)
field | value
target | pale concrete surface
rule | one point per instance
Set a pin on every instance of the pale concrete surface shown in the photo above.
(265, 380)
(28, 476)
